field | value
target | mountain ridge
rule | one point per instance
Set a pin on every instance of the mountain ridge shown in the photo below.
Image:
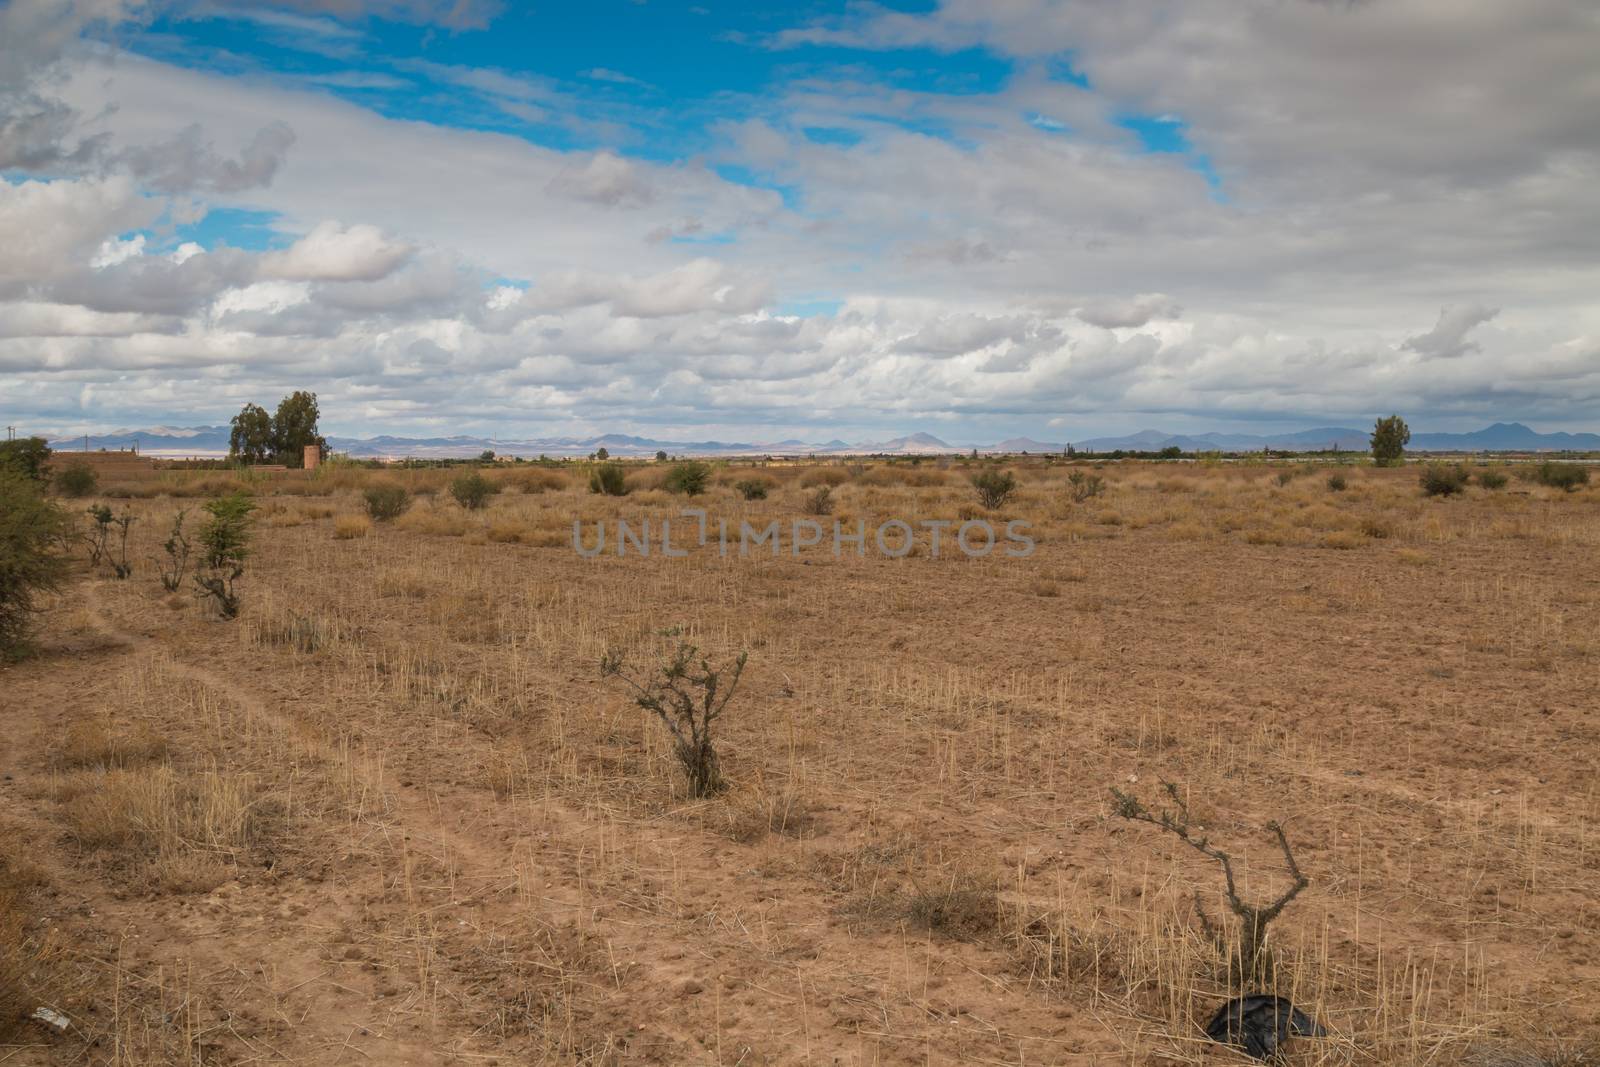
(213, 440)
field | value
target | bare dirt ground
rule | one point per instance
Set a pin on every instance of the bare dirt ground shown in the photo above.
(394, 815)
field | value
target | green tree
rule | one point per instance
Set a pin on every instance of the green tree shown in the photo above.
(27, 455)
(294, 427)
(251, 439)
(224, 546)
(601, 454)
(1389, 439)
(33, 537)
(661, 455)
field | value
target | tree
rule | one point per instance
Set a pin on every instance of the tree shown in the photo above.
(601, 454)
(224, 546)
(27, 455)
(294, 428)
(251, 439)
(661, 455)
(33, 536)
(1389, 439)
(487, 456)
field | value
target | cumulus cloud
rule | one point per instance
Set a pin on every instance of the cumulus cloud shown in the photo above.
(953, 257)
(188, 163)
(335, 253)
(605, 178)
(698, 285)
(1448, 338)
(1134, 312)
(55, 228)
(955, 335)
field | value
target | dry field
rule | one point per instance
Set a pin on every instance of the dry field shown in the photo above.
(394, 815)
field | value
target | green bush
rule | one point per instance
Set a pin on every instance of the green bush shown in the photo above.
(1082, 486)
(472, 490)
(1568, 477)
(607, 480)
(994, 487)
(1337, 484)
(33, 540)
(76, 479)
(752, 489)
(1491, 479)
(1442, 479)
(386, 501)
(689, 478)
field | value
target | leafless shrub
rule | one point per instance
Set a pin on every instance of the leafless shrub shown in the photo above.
(1248, 958)
(686, 699)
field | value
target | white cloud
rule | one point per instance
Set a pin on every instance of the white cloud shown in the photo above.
(1448, 338)
(335, 253)
(1006, 271)
(1138, 311)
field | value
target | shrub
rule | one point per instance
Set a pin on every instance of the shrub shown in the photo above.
(1568, 477)
(224, 546)
(33, 539)
(1286, 476)
(98, 533)
(472, 490)
(752, 489)
(819, 501)
(120, 565)
(1082, 486)
(688, 478)
(176, 547)
(686, 701)
(606, 479)
(1249, 959)
(76, 480)
(386, 501)
(1442, 479)
(833, 476)
(1491, 479)
(994, 487)
(1337, 484)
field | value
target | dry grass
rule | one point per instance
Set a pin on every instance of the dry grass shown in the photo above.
(398, 776)
(350, 527)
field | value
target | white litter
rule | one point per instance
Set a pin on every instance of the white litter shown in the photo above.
(52, 1018)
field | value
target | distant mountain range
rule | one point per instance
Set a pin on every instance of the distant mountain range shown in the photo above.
(200, 441)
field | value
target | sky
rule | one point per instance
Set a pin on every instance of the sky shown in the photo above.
(816, 219)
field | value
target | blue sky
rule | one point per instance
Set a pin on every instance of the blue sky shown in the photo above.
(1044, 218)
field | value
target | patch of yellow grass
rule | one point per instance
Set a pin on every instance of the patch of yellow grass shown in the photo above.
(350, 527)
